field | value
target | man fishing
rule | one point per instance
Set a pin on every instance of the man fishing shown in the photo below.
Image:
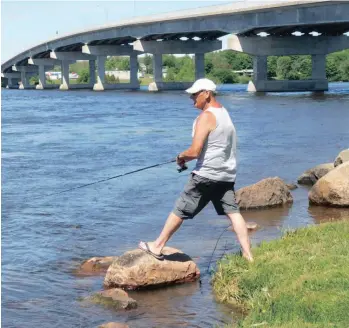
(213, 178)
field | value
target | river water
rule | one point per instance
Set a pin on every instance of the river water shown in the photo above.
(52, 141)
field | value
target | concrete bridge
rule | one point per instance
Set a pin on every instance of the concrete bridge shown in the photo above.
(201, 28)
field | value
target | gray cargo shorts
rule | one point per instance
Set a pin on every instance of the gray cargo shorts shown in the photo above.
(199, 191)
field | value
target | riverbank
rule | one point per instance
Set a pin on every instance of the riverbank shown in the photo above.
(301, 280)
(53, 140)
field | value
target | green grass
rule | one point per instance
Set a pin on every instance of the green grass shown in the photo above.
(301, 280)
(146, 80)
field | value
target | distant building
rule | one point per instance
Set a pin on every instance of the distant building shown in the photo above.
(58, 75)
(247, 72)
(122, 75)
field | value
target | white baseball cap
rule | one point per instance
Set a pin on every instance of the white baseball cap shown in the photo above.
(202, 84)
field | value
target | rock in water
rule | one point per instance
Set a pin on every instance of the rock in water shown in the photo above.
(113, 325)
(291, 186)
(311, 176)
(115, 298)
(252, 226)
(265, 193)
(138, 270)
(95, 266)
(333, 188)
(342, 157)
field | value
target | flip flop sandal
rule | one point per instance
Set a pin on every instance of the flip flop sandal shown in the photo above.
(159, 257)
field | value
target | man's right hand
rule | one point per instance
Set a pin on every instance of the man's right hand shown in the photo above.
(180, 161)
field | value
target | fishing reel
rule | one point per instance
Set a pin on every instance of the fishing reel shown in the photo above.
(182, 168)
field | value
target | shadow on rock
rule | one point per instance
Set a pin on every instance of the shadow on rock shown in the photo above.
(178, 257)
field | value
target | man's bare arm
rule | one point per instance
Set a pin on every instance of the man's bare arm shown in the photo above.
(204, 125)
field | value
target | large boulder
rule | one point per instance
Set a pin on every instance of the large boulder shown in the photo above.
(138, 270)
(333, 188)
(265, 193)
(311, 176)
(342, 157)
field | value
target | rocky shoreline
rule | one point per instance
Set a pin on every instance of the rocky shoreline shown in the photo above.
(137, 270)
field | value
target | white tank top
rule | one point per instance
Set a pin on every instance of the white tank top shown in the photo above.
(217, 160)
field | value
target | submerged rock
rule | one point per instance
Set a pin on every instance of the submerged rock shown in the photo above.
(138, 270)
(342, 157)
(95, 266)
(116, 298)
(265, 193)
(252, 225)
(311, 176)
(333, 188)
(113, 325)
(291, 186)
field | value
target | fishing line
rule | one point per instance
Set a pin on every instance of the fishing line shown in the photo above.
(220, 236)
(111, 178)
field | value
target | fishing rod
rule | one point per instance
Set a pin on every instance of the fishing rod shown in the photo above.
(179, 169)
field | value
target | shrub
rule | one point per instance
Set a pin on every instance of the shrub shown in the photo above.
(84, 76)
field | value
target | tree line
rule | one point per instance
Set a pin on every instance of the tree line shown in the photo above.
(222, 66)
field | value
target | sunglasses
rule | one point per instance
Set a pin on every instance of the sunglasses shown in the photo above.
(197, 93)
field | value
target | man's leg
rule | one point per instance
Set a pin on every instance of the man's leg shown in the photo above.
(239, 226)
(171, 226)
(190, 202)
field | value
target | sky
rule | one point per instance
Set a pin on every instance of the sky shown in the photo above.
(25, 24)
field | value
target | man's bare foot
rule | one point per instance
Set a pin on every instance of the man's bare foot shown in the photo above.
(248, 257)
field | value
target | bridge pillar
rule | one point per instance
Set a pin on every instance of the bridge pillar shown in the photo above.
(4, 82)
(199, 66)
(318, 67)
(99, 86)
(65, 75)
(134, 71)
(92, 70)
(157, 67)
(260, 72)
(157, 73)
(24, 84)
(42, 78)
